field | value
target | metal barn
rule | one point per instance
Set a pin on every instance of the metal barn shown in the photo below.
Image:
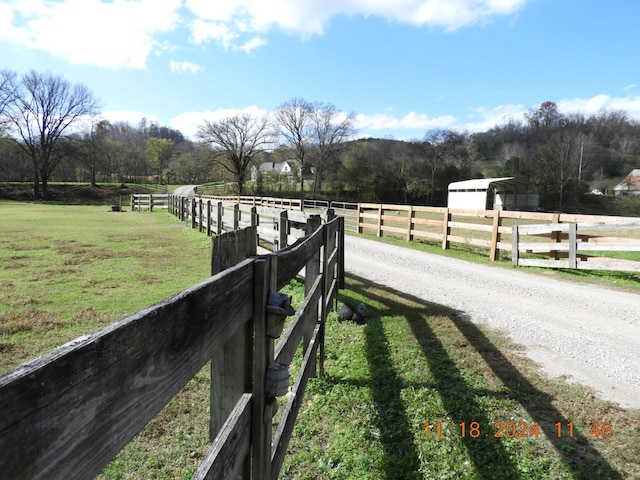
(506, 193)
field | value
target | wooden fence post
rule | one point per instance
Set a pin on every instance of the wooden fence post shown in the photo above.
(495, 236)
(236, 216)
(283, 230)
(340, 256)
(193, 213)
(208, 218)
(380, 222)
(556, 237)
(515, 239)
(150, 203)
(219, 218)
(255, 218)
(231, 365)
(409, 223)
(573, 245)
(311, 272)
(358, 217)
(260, 409)
(446, 230)
(200, 222)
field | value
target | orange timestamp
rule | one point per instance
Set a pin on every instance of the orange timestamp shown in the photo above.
(519, 429)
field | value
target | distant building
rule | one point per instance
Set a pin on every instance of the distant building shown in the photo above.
(630, 185)
(285, 168)
(505, 193)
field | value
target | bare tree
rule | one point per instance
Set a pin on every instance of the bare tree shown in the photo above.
(43, 110)
(295, 120)
(236, 141)
(331, 128)
(7, 86)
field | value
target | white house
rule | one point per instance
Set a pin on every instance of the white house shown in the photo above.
(284, 168)
(506, 193)
(630, 185)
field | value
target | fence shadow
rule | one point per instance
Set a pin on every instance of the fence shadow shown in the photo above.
(491, 459)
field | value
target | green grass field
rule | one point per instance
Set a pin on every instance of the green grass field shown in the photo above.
(69, 270)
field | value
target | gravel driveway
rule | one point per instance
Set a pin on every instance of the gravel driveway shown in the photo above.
(589, 333)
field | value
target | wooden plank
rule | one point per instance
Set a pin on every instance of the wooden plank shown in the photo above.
(290, 413)
(614, 266)
(471, 226)
(531, 262)
(230, 447)
(609, 247)
(230, 248)
(547, 246)
(55, 411)
(293, 258)
(288, 344)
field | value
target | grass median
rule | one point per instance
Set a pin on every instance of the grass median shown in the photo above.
(490, 412)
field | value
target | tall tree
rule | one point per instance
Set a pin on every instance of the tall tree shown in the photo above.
(330, 128)
(43, 110)
(7, 85)
(296, 126)
(158, 154)
(546, 115)
(236, 140)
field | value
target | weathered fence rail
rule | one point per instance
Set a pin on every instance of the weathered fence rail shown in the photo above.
(576, 245)
(148, 201)
(68, 413)
(276, 227)
(494, 229)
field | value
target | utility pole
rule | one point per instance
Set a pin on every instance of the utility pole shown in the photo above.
(580, 166)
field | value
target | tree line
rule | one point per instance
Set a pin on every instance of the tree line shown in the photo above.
(50, 130)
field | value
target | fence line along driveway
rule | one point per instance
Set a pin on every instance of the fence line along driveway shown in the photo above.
(589, 333)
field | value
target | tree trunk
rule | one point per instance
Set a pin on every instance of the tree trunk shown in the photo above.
(36, 182)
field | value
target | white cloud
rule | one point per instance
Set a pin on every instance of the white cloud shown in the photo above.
(112, 35)
(386, 121)
(235, 18)
(122, 33)
(484, 118)
(188, 122)
(185, 67)
(593, 105)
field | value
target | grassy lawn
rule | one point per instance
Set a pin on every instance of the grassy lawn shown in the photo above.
(69, 270)
(415, 363)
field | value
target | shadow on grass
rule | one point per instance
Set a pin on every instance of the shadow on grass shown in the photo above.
(491, 459)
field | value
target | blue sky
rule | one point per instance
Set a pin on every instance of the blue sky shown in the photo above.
(402, 67)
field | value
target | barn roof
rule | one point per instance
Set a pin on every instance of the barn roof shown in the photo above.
(630, 183)
(509, 183)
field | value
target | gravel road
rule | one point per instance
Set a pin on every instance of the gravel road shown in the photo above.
(590, 334)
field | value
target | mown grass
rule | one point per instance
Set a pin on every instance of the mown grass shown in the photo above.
(67, 270)
(70, 270)
(415, 362)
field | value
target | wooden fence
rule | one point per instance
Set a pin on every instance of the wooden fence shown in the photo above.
(68, 413)
(276, 227)
(576, 246)
(494, 229)
(147, 201)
